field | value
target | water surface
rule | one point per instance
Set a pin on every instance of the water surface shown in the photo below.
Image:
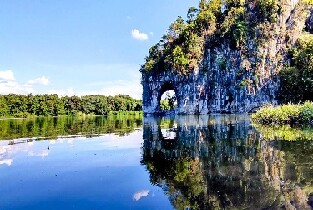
(186, 162)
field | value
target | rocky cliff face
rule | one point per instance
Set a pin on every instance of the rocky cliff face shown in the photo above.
(232, 79)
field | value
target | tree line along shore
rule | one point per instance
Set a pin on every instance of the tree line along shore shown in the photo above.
(22, 106)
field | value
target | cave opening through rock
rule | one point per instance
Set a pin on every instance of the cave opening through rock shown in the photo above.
(167, 99)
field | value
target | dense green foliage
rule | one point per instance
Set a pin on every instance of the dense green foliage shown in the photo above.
(165, 105)
(54, 127)
(285, 114)
(297, 79)
(51, 105)
(213, 22)
(169, 102)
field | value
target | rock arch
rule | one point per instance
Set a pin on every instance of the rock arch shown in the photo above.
(153, 92)
(190, 95)
(167, 86)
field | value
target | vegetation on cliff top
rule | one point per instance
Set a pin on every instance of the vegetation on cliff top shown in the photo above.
(182, 48)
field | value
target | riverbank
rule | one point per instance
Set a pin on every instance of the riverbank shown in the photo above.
(292, 114)
(111, 113)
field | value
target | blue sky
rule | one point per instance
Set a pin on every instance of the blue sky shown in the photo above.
(80, 46)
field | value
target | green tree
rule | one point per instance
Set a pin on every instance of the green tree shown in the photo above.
(297, 79)
(4, 109)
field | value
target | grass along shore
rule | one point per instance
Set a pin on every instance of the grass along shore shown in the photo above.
(293, 114)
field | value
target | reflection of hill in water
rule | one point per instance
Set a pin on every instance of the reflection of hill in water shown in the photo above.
(221, 162)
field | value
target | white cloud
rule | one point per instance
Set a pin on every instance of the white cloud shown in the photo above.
(136, 34)
(15, 88)
(6, 75)
(67, 92)
(7, 162)
(137, 196)
(132, 88)
(39, 81)
(127, 83)
(9, 85)
(113, 88)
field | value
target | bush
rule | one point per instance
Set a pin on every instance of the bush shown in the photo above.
(285, 114)
(180, 60)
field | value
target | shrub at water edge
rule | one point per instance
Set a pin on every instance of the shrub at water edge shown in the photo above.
(285, 114)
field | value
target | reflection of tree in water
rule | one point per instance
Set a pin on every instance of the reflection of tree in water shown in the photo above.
(220, 162)
(49, 127)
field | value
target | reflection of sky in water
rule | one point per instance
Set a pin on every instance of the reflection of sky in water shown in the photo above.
(168, 133)
(77, 173)
(221, 156)
(137, 196)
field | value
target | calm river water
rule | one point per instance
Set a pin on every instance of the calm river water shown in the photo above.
(186, 162)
